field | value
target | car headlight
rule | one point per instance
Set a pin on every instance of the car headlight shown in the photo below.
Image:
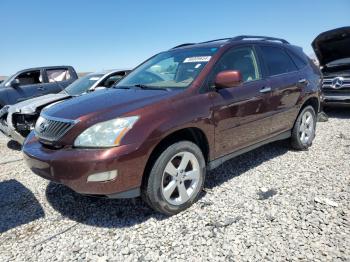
(106, 134)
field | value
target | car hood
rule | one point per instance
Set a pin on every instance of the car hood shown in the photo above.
(30, 106)
(104, 103)
(332, 45)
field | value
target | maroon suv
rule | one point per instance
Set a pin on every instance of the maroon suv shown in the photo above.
(178, 114)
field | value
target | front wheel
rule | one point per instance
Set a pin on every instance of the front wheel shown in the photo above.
(304, 129)
(176, 178)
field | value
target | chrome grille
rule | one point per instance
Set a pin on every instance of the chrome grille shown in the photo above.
(52, 129)
(336, 82)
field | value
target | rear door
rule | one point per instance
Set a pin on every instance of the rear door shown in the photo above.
(240, 112)
(30, 85)
(56, 79)
(286, 86)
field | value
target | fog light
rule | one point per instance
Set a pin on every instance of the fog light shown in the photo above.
(103, 177)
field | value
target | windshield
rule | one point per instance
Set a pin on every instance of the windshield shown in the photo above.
(343, 61)
(83, 84)
(172, 69)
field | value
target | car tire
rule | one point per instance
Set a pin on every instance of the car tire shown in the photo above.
(303, 132)
(176, 178)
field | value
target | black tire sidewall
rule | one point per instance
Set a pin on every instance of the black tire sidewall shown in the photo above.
(153, 192)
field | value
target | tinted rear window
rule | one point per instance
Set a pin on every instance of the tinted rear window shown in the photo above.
(301, 62)
(277, 60)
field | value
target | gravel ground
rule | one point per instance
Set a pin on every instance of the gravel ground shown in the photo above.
(271, 203)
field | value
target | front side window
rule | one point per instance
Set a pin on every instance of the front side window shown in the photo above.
(58, 75)
(30, 78)
(111, 80)
(172, 69)
(83, 84)
(240, 59)
(277, 60)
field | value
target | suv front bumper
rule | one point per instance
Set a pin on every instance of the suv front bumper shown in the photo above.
(73, 166)
(336, 99)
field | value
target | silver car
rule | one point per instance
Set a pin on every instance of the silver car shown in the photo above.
(16, 121)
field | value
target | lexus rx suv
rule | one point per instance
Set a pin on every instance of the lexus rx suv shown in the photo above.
(332, 49)
(180, 113)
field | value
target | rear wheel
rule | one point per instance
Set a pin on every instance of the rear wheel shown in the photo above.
(303, 132)
(176, 178)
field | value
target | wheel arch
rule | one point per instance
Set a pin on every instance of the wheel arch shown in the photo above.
(311, 101)
(192, 134)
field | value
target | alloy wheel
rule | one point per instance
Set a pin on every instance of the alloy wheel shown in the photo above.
(181, 178)
(306, 129)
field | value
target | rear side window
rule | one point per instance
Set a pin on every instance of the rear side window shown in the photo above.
(300, 63)
(277, 60)
(58, 75)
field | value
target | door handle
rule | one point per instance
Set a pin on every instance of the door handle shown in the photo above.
(265, 89)
(41, 88)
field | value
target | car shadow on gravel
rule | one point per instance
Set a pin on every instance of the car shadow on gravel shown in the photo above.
(117, 213)
(338, 112)
(100, 212)
(241, 164)
(18, 205)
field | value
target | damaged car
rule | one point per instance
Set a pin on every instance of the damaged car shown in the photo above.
(332, 49)
(16, 121)
(182, 112)
(34, 82)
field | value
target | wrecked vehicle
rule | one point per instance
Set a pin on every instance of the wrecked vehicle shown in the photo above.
(180, 113)
(34, 82)
(332, 49)
(16, 121)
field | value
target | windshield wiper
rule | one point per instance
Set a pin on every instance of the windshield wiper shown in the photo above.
(120, 87)
(142, 86)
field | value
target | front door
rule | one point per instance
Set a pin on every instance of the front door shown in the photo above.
(241, 112)
(30, 85)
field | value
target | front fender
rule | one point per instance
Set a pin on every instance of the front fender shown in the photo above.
(193, 111)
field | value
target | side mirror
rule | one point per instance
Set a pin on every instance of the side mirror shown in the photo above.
(14, 83)
(227, 79)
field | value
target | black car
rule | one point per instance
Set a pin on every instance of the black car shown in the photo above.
(332, 49)
(34, 82)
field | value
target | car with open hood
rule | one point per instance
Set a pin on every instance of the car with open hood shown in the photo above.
(180, 113)
(332, 49)
(16, 121)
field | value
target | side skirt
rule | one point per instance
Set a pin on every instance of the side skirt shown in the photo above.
(217, 162)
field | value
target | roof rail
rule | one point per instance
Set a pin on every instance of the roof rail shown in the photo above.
(186, 44)
(243, 37)
(239, 38)
(215, 40)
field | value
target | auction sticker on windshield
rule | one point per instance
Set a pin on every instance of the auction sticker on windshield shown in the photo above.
(197, 59)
